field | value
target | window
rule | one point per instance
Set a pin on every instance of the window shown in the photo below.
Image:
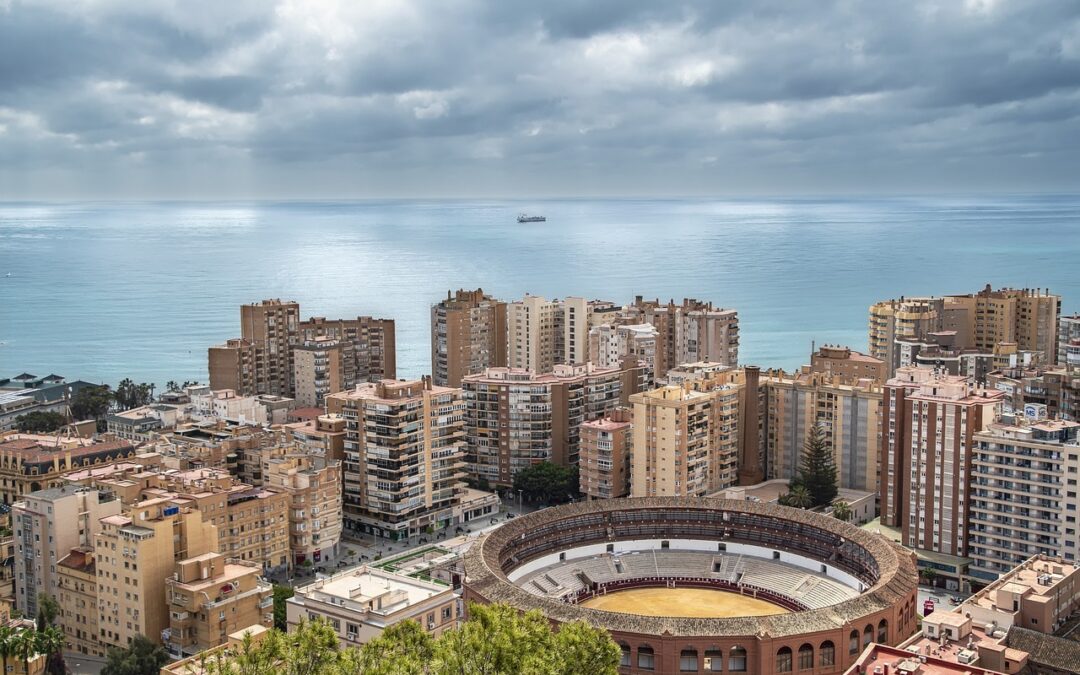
(624, 660)
(783, 660)
(883, 631)
(806, 657)
(828, 653)
(714, 660)
(688, 661)
(853, 644)
(737, 660)
(645, 658)
(868, 635)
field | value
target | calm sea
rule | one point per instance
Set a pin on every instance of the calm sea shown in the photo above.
(102, 291)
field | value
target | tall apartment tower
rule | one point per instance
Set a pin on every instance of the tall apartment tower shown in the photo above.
(46, 525)
(535, 334)
(261, 360)
(579, 317)
(849, 415)
(468, 334)
(135, 554)
(318, 370)
(931, 420)
(980, 321)
(686, 440)
(1068, 334)
(516, 418)
(404, 456)
(691, 332)
(610, 344)
(606, 446)
(1023, 494)
(848, 365)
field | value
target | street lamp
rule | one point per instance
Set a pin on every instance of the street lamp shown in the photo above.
(519, 501)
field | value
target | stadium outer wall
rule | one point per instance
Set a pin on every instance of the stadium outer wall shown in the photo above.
(885, 612)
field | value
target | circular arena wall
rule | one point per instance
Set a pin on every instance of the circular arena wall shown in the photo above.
(815, 641)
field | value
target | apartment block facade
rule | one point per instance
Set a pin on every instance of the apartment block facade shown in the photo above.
(929, 423)
(535, 330)
(978, 321)
(47, 524)
(606, 447)
(468, 335)
(848, 414)
(690, 332)
(404, 456)
(516, 418)
(318, 370)
(210, 597)
(1023, 494)
(262, 360)
(314, 488)
(685, 440)
(135, 554)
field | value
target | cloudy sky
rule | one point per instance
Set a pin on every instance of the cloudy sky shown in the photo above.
(325, 98)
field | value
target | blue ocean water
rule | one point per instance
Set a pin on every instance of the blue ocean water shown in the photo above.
(103, 291)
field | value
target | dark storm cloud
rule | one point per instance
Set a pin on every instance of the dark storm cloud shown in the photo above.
(562, 97)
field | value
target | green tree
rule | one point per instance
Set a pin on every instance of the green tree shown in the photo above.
(7, 644)
(40, 422)
(25, 647)
(48, 609)
(403, 649)
(50, 642)
(928, 574)
(841, 510)
(547, 482)
(817, 470)
(141, 657)
(798, 497)
(91, 403)
(281, 594)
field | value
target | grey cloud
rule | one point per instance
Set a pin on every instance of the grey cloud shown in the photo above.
(608, 96)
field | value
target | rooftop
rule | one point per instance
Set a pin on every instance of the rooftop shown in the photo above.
(877, 658)
(369, 589)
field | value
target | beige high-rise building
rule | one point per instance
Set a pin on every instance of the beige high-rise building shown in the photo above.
(686, 440)
(928, 425)
(314, 487)
(47, 525)
(135, 554)
(1017, 507)
(980, 321)
(77, 599)
(611, 344)
(209, 597)
(606, 446)
(468, 334)
(690, 332)
(262, 359)
(848, 365)
(848, 414)
(535, 334)
(318, 370)
(252, 522)
(579, 317)
(404, 456)
(516, 418)
(1068, 335)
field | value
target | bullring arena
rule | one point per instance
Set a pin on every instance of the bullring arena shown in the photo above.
(704, 585)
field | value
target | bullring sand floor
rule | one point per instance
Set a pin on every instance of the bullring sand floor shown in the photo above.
(684, 602)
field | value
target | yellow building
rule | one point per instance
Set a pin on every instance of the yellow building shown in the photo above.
(314, 488)
(135, 554)
(77, 597)
(686, 440)
(404, 456)
(210, 597)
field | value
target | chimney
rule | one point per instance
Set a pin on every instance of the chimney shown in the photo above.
(750, 472)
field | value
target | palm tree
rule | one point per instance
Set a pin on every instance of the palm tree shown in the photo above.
(799, 497)
(7, 644)
(50, 642)
(25, 647)
(841, 510)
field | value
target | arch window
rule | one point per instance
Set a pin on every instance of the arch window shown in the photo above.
(883, 631)
(867, 635)
(688, 662)
(714, 660)
(646, 658)
(624, 660)
(828, 653)
(783, 660)
(806, 657)
(737, 660)
(853, 643)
